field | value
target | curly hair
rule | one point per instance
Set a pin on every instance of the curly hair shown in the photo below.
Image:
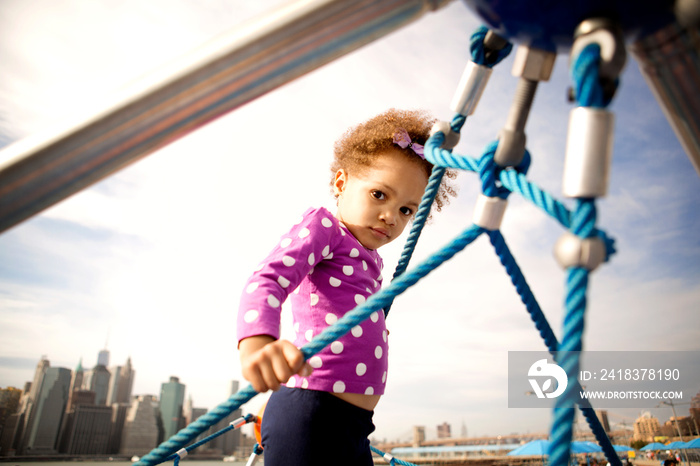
(361, 145)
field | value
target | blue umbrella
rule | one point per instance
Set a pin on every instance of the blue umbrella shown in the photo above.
(692, 444)
(622, 448)
(654, 446)
(675, 445)
(585, 447)
(536, 447)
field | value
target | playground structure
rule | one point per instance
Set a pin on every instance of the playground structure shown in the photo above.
(41, 172)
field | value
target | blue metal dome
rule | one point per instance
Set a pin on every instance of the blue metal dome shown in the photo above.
(550, 24)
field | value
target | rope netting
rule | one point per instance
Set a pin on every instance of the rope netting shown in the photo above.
(497, 183)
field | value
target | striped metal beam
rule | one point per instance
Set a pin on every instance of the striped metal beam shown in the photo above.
(213, 80)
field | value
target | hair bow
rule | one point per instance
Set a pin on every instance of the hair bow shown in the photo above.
(403, 140)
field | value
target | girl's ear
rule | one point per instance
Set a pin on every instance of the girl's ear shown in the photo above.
(341, 180)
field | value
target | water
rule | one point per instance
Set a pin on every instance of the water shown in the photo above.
(19, 462)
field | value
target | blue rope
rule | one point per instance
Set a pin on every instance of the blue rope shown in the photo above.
(392, 460)
(589, 93)
(426, 203)
(478, 51)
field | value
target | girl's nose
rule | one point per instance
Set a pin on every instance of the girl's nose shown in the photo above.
(388, 217)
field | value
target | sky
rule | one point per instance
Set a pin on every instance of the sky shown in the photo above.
(150, 262)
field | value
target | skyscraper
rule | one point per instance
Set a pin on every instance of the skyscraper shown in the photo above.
(172, 399)
(97, 379)
(46, 416)
(121, 383)
(142, 427)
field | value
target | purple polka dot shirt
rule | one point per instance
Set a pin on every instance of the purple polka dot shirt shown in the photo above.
(326, 272)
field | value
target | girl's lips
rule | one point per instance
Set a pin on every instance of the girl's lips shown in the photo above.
(380, 232)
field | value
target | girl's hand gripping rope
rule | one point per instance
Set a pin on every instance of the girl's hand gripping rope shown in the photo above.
(268, 363)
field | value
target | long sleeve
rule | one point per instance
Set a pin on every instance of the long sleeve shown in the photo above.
(298, 251)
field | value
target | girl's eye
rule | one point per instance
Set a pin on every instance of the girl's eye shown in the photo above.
(406, 211)
(378, 195)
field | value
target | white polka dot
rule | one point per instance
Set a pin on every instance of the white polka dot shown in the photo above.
(309, 334)
(288, 261)
(375, 283)
(252, 287)
(348, 270)
(315, 362)
(337, 347)
(369, 391)
(364, 265)
(326, 222)
(329, 256)
(359, 299)
(251, 316)
(368, 290)
(272, 301)
(286, 242)
(312, 259)
(354, 252)
(334, 282)
(384, 335)
(325, 251)
(361, 369)
(291, 382)
(378, 352)
(304, 232)
(342, 232)
(380, 278)
(384, 377)
(374, 316)
(284, 283)
(339, 387)
(356, 331)
(305, 383)
(313, 299)
(331, 318)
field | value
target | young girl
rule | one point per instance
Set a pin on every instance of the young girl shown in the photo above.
(328, 264)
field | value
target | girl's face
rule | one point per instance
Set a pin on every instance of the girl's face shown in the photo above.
(377, 204)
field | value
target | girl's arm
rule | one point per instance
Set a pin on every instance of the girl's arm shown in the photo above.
(267, 363)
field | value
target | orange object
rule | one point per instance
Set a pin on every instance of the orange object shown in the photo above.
(258, 424)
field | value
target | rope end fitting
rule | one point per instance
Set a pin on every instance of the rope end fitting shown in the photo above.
(451, 136)
(613, 56)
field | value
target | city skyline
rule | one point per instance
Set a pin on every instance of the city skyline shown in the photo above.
(156, 255)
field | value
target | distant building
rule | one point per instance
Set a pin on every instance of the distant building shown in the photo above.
(42, 430)
(121, 383)
(444, 430)
(97, 380)
(142, 427)
(418, 435)
(228, 443)
(119, 412)
(87, 429)
(603, 418)
(172, 400)
(646, 427)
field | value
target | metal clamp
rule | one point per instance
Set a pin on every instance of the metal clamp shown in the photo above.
(589, 146)
(451, 136)
(489, 212)
(572, 251)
